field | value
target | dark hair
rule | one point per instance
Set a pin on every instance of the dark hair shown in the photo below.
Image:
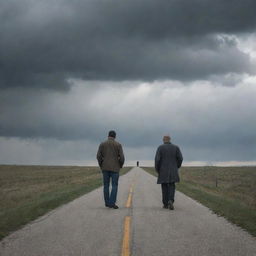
(112, 134)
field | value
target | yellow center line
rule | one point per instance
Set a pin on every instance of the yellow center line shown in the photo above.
(126, 239)
(129, 201)
(127, 224)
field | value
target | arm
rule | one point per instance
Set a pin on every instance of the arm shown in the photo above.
(100, 155)
(158, 160)
(179, 157)
(121, 156)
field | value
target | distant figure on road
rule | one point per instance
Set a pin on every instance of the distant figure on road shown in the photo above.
(138, 163)
(110, 158)
(168, 160)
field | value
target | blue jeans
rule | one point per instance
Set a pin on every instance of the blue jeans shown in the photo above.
(114, 176)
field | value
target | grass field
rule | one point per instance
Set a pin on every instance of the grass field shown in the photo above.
(227, 191)
(27, 192)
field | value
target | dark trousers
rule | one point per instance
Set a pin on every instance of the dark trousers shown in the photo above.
(168, 192)
(110, 198)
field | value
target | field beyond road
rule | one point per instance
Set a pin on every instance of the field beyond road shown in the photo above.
(27, 192)
(228, 191)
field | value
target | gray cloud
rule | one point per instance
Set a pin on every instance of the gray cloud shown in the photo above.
(72, 70)
(43, 44)
(209, 122)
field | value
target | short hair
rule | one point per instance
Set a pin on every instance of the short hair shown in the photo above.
(112, 134)
(166, 138)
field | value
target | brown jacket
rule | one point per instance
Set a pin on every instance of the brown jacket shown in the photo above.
(110, 155)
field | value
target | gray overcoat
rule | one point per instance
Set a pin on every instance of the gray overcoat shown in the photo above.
(168, 160)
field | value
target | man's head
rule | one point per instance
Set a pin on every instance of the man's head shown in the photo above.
(112, 134)
(166, 138)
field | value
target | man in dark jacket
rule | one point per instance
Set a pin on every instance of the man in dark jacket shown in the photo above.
(110, 158)
(168, 160)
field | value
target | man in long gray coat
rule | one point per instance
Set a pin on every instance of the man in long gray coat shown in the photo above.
(168, 160)
(110, 158)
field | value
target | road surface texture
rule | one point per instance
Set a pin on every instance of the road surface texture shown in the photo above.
(139, 227)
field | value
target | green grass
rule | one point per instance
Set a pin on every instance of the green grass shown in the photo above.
(27, 192)
(234, 197)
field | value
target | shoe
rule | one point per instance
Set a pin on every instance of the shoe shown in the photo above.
(107, 205)
(114, 206)
(170, 205)
(165, 206)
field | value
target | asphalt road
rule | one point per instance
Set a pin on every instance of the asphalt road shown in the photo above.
(139, 227)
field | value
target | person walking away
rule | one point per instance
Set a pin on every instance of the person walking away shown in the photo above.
(110, 158)
(168, 160)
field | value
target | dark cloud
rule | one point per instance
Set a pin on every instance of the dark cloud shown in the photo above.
(72, 70)
(43, 43)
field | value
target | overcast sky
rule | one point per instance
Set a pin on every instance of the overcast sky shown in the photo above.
(72, 70)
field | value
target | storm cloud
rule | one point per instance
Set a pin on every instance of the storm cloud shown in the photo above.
(44, 43)
(72, 70)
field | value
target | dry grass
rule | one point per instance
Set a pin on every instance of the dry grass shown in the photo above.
(20, 184)
(27, 192)
(238, 183)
